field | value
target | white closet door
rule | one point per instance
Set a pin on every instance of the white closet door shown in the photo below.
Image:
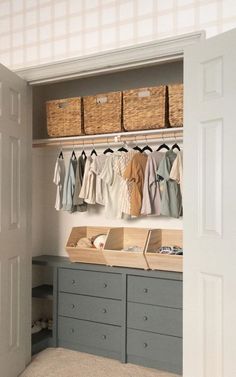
(15, 234)
(210, 208)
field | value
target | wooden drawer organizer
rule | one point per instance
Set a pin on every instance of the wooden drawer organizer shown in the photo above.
(120, 238)
(164, 237)
(84, 254)
(149, 240)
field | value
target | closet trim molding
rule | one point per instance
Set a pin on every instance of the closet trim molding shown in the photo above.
(143, 54)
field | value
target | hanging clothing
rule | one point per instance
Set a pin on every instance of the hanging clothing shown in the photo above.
(113, 181)
(69, 187)
(125, 185)
(87, 190)
(101, 187)
(77, 201)
(58, 179)
(134, 172)
(176, 172)
(171, 201)
(151, 204)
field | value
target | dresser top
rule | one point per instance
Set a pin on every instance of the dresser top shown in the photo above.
(64, 262)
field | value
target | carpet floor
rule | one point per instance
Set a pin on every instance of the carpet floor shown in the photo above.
(59, 362)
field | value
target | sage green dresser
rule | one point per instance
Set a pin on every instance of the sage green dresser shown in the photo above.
(128, 314)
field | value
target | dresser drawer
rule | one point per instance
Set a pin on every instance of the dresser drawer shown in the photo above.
(90, 283)
(154, 291)
(164, 350)
(90, 308)
(157, 319)
(83, 333)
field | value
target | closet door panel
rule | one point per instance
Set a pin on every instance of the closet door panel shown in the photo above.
(15, 227)
(209, 207)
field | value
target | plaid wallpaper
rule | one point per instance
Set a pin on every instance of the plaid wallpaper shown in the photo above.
(40, 31)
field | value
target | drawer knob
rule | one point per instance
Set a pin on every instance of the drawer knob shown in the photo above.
(72, 306)
(72, 331)
(73, 281)
(145, 345)
(104, 337)
(104, 310)
(105, 285)
(145, 290)
(145, 318)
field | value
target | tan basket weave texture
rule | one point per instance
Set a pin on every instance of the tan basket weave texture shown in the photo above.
(64, 117)
(176, 105)
(102, 113)
(144, 108)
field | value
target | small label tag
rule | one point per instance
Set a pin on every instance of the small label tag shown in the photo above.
(101, 99)
(144, 93)
(62, 105)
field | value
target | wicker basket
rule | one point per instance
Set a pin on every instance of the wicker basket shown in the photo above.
(102, 113)
(176, 105)
(144, 108)
(64, 117)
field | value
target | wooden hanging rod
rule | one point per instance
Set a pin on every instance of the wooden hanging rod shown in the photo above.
(166, 134)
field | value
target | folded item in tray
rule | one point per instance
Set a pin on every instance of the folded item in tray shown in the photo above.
(173, 250)
(134, 248)
(84, 242)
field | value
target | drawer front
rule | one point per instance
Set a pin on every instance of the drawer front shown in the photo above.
(89, 334)
(90, 283)
(156, 319)
(155, 291)
(164, 349)
(90, 308)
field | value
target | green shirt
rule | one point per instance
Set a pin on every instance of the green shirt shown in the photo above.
(171, 200)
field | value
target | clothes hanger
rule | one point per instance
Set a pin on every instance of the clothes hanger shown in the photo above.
(83, 153)
(147, 147)
(175, 146)
(108, 150)
(122, 149)
(163, 145)
(137, 148)
(73, 156)
(60, 156)
(93, 151)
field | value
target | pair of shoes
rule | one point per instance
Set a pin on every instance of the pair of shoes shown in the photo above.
(43, 324)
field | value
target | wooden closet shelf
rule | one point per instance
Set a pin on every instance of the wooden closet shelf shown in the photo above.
(40, 336)
(43, 291)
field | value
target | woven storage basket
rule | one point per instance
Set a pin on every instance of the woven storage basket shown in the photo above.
(64, 117)
(176, 105)
(102, 113)
(144, 108)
